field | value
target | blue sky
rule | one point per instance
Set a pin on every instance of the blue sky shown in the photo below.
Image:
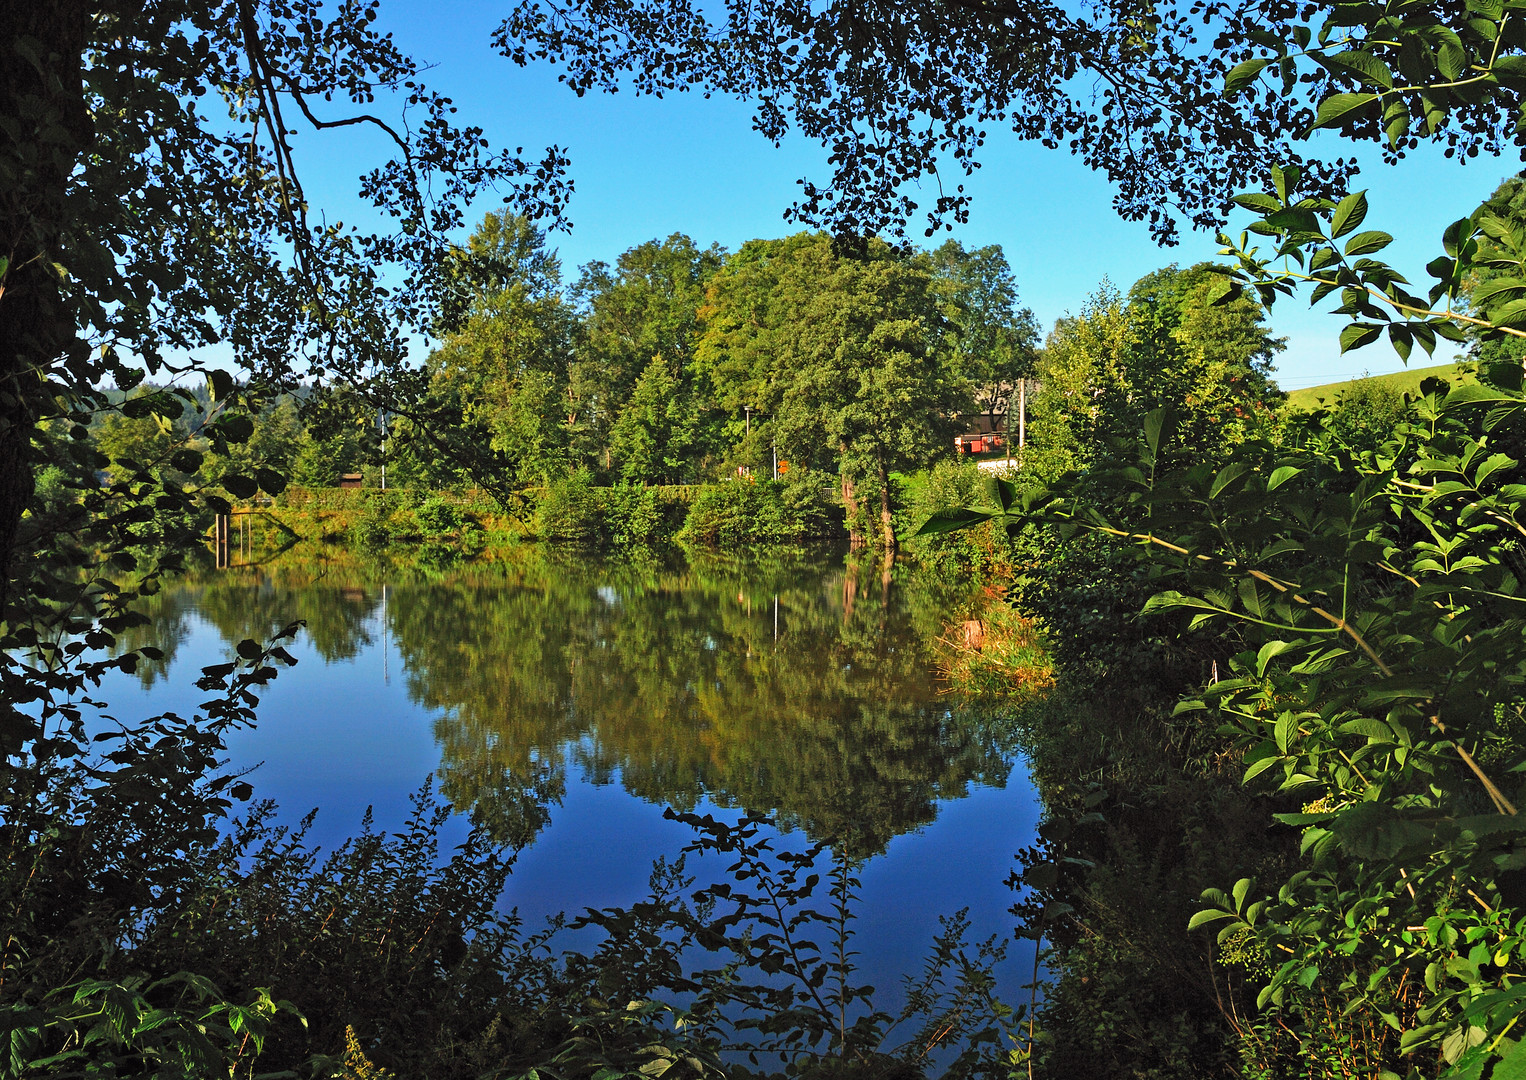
(645, 168)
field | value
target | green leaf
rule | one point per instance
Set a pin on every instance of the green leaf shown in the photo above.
(1242, 75)
(1270, 651)
(1281, 476)
(1370, 727)
(1293, 220)
(239, 486)
(219, 384)
(1503, 287)
(1475, 394)
(1158, 426)
(1509, 314)
(1287, 727)
(1041, 876)
(1365, 243)
(186, 461)
(1395, 122)
(1357, 335)
(1225, 291)
(1349, 214)
(1451, 58)
(236, 428)
(1227, 475)
(1257, 201)
(1364, 66)
(1203, 918)
(947, 521)
(1512, 1063)
(1305, 819)
(1285, 179)
(270, 481)
(1509, 67)
(1340, 108)
(1372, 830)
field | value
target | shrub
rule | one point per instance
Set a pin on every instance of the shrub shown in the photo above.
(634, 516)
(951, 486)
(811, 508)
(748, 512)
(372, 531)
(737, 513)
(569, 509)
(437, 518)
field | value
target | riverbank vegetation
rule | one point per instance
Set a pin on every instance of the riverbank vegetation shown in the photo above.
(1289, 672)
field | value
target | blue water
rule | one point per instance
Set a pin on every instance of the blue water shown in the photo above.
(349, 734)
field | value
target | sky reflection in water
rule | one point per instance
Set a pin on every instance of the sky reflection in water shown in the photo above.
(569, 701)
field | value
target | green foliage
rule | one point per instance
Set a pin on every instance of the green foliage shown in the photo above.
(1169, 342)
(497, 405)
(654, 439)
(438, 518)
(1365, 413)
(952, 486)
(372, 531)
(626, 516)
(994, 343)
(1401, 382)
(746, 512)
(569, 509)
(635, 516)
(846, 357)
(1369, 599)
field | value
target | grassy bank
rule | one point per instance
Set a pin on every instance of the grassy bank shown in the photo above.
(1400, 383)
(999, 654)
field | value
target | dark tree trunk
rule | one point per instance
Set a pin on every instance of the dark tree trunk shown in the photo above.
(850, 512)
(46, 129)
(887, 525)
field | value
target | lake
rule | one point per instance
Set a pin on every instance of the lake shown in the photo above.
(564, 702)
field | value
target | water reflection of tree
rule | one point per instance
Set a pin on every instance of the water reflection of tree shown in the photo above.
(674, 679)
(669, 676)
(338, 612)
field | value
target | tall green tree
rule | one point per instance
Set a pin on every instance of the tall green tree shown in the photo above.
(646, 305)
(1170, 342)
(655, 437)
(501, 380)
(994, 343)
(859, 367)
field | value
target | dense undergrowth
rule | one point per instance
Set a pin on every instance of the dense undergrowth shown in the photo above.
(1286, 716)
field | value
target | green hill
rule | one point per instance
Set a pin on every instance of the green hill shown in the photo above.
(1402, 381)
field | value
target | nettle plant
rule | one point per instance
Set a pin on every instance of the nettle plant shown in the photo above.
(1375, 638)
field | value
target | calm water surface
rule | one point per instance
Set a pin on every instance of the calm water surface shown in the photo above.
(565, 703)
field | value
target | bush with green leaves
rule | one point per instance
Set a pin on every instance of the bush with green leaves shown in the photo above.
(569, 509)
(438, 518)
(636, 516)
(1374, 703)
(747, 512)
(950, 486)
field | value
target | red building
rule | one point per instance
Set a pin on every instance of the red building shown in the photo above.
(980, 437)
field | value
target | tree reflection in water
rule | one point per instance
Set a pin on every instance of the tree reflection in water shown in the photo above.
(796, 686)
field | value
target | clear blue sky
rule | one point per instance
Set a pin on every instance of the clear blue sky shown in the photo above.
(646, 168)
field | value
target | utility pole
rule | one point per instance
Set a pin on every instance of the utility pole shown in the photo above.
(1022, 416)
(382, 418)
